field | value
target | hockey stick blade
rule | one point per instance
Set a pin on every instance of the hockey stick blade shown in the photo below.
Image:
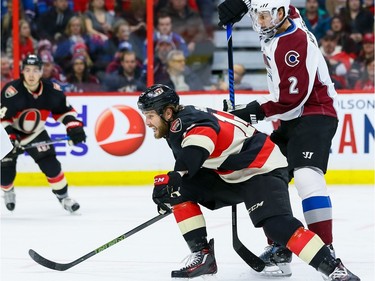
(250, 258)
(47, 263)
(64, 266)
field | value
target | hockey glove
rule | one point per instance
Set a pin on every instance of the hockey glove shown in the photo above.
(167, 191)
(232, 11)
(251, 113)
(74, 130)
(228, 107)
(17, 148)
(15, 140)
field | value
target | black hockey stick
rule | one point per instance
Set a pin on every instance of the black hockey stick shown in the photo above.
(36, 144)
(64, 266)
(250, 258)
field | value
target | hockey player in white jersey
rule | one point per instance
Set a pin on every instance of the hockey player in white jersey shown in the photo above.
(301, 95)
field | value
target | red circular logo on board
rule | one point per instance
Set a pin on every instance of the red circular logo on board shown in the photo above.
(120, 130)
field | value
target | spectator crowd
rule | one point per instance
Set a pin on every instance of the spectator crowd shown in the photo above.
(100, 45)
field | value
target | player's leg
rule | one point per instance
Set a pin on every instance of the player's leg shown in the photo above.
(8, 174)
(266, 196)
(205, 188)
(45, 157)
(192, 225)
(308, 152)
(290, 233)
(267, 201)
(308, 142)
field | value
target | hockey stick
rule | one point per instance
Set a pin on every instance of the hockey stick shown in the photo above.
(64, 266)
(36, 144)
(250, 258)
(230, 65)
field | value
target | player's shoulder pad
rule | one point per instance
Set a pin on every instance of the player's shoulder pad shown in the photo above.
(49, 85)
(11, 89)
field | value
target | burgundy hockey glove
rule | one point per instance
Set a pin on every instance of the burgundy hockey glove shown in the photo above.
(232, 11)
(167, 191)
(74, 130)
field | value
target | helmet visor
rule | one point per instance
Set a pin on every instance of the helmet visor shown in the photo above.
(264, 22)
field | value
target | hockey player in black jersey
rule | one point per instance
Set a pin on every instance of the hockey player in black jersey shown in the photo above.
(25, 105)
(220, 160)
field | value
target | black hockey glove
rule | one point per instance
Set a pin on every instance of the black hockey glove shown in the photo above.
(74, 130)
(251, 113)
(232, 11)
(167, 191)
(15, 140)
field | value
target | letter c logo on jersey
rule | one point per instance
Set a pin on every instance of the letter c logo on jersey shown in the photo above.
(291, 58)
(120, 130)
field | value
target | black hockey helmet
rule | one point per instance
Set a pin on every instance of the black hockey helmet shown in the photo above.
(32, 60)
(157, 97)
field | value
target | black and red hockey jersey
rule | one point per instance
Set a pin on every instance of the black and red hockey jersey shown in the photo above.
(27, 112)
(237, 151)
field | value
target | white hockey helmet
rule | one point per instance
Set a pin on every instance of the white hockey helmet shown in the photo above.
(263, 14)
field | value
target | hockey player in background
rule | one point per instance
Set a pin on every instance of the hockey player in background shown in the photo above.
(220, 160)
(302, 97)
(25, 105)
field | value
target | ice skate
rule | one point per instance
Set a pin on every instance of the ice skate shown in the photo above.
(10, 199)
(277, 260)
(69, 204)
(334, 270)
(198, 263)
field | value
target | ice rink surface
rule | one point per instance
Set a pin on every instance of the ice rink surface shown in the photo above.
(40, 223)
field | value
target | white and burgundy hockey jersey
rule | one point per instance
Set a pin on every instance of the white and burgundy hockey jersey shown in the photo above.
(297, 74)
(236, 150)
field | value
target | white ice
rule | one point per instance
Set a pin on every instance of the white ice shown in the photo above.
(40, 223)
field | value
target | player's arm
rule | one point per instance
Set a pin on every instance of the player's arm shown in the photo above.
(166, 191)
(197, 145)
(66, 114)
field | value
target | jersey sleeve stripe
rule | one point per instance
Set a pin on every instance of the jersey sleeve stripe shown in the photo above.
(204, 137)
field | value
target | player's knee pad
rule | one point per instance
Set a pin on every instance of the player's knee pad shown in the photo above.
(309, 182)
(280, 228)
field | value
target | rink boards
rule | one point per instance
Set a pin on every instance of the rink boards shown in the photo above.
(121, 150)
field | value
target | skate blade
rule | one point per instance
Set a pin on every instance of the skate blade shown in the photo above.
(281, 270)
(206, 277)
